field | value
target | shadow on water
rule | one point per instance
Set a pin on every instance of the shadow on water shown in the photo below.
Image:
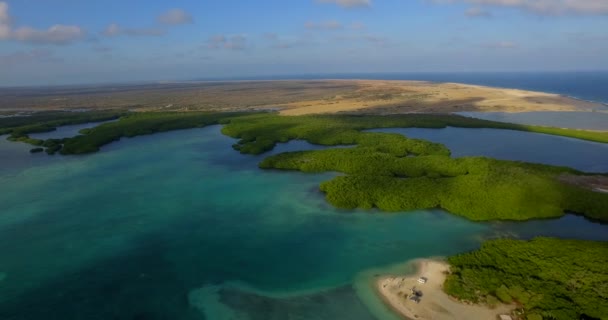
(327, 305)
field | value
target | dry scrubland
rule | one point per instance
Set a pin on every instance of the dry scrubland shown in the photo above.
(292, 97)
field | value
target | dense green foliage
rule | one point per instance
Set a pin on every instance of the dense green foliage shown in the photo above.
(137, 124)
(552, 278)
(386, 171)
(394, 173)
(19, 127)
(49, 121)
(475, 187)
(260, 132)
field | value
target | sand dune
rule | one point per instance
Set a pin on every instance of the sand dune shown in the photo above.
(417, 96)
(293, 97)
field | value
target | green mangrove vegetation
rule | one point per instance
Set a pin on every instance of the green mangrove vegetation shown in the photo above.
(385, 171)
(19, 127)
(137, 124)
(477, 188)
(548, 278)
(394, 173)
(49, 121)
(258, 132)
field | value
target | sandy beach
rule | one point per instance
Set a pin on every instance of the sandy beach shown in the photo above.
(394, 97)
(434, 303)
(298, 97)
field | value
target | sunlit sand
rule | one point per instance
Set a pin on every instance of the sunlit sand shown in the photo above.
(396, 292)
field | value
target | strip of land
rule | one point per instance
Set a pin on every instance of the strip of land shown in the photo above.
(394, 97)
(543, 278)
(434, 303)
(385, 171)
(294, 97)
(547, 278)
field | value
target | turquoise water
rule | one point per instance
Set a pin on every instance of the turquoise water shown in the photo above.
(180, 226)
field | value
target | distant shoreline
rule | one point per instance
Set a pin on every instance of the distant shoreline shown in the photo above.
(297, 97)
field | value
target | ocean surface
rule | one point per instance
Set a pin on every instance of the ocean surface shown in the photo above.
(180, 226)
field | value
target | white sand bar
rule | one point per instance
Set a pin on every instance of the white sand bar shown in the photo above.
(434, 303)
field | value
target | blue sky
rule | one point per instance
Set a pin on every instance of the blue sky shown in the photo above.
(72, 41)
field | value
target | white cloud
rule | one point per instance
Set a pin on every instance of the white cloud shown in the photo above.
(369, 38)
(5, 22)
(277, 41)
(477, 12)
(271, 36)
(235, 42)
(357, 26)
(325, 25)
(500, 45)
(102, 49)
(349, 3)
(544, 7)
(172, 17)
(5, 32)
(57, 34)
(114, 30)
(175, 17)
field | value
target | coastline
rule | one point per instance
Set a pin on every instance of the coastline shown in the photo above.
(434, 302)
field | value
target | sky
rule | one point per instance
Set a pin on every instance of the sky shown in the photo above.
(51, 42)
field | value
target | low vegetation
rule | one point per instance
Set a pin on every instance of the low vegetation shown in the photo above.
(548, 278)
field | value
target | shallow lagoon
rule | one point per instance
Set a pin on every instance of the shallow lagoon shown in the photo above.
(66, 131)
(180, 226)
(515, 145)
(597, 120)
